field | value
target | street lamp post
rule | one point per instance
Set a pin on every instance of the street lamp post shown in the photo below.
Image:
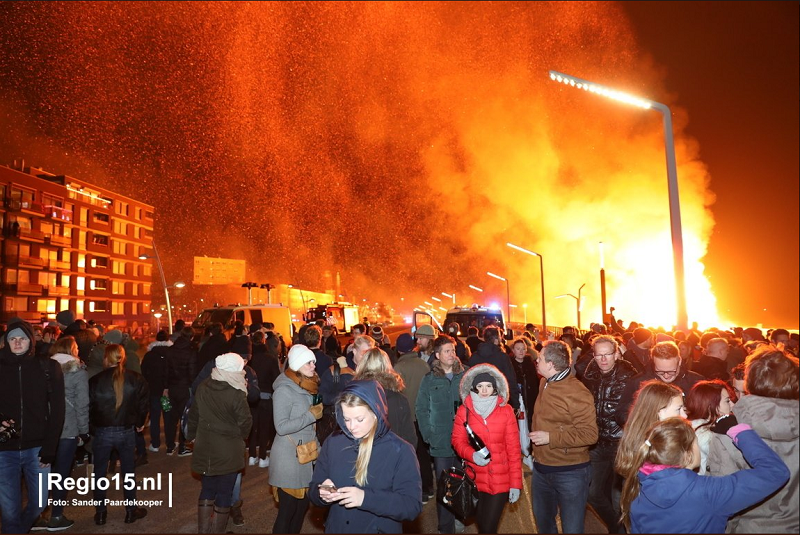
(577, 303)
(508, 293)
(163, 283)
(672, 178)
(541, 270)
(451, 296)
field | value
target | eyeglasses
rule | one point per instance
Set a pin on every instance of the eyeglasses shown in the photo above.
(666, 374)
(604, 356)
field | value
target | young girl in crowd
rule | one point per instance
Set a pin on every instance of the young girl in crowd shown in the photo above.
(366, 474)
(706, 403)
(667, 496)
(653, 402)
(484, 391)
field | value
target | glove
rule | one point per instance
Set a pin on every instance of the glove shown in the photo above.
(316, 410)
(513, 495)
(479, 459)
(724, 423)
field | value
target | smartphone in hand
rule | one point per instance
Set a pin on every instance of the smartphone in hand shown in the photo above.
(328, 488)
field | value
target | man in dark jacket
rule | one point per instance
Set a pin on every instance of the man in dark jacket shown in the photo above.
(31, 419)
(664, 365)
(489, 352)
(606, 377)
(154, 370)
(463, 352)
(181, 366)
(267, 369)
(215, 346)
(713, 364)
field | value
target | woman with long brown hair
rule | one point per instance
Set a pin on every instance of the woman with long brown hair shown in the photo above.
(119, 402)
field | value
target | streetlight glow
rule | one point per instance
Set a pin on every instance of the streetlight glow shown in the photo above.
(476, 288)
(672, 178)
(508, 295)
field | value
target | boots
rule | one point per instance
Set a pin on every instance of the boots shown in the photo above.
(205, 509)
(220, 522)
(236, 514)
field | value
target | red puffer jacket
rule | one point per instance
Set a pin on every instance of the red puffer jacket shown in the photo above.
(500, 433)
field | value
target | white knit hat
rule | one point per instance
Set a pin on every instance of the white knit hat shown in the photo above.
(299, 355)
(230, 362)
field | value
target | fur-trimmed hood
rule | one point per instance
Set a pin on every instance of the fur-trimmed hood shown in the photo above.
(466, 382)
(69, 364)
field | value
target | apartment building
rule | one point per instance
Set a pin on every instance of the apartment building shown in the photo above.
(68, 244)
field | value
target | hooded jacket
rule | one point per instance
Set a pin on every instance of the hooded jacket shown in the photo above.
(677, 500)
(31, 394)
(76, 389)
(777, 422)
(500, 433)
(181, 363)
(437, 402)
(219, 422)
(154, 367)
(393, 493)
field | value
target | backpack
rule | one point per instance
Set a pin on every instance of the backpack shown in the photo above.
(185, 416)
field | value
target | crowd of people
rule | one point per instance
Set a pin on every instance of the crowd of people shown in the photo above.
(657, 432)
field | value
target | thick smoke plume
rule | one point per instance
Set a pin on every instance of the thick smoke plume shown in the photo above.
(402, 144)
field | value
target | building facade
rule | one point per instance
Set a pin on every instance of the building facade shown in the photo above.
(67, 244)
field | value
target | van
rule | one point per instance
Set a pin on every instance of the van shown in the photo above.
(247, 314)
(466, 317)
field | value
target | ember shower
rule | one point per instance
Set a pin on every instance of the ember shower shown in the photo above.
(400, 144)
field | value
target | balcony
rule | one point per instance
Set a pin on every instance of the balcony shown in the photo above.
(59, 241)
(58, 265)
(31, 235)
(23, 288)
(56, 212)
(98, 247)
(31, 261)
(56, 290)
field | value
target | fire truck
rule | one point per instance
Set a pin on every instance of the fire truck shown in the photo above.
(340, 315)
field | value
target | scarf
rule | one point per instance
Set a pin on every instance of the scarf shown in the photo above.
(558, 377)
(649, 468)
(483, 406)
(309, 384)
(235, 379)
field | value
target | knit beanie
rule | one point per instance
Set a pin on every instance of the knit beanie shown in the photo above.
(230, 362)
(299, 355)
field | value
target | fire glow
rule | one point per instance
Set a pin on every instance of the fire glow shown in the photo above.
(400, 144)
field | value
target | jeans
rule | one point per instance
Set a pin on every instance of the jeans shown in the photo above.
(447, 521)
(263, 432)
(424, 459)
(236, 491)
(14, 465)
(122, 439)
(178, 396)
(65, 456)
(155, 421)
(218, 488)
(606, 486)
(567, 491)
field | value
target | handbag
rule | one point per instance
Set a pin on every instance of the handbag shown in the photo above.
(306, 452)
(457, 491)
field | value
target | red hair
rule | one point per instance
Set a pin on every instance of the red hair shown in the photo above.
(702, 403)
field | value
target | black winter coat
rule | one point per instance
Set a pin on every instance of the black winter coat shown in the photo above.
(34, 401)
(103, 400)
(528, 378)
(212, 348)
(181, 363)
(154, 369)
(266, 366)
(685, 381)
(607, 391)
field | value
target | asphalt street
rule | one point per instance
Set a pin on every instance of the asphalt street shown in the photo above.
(259, 508)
